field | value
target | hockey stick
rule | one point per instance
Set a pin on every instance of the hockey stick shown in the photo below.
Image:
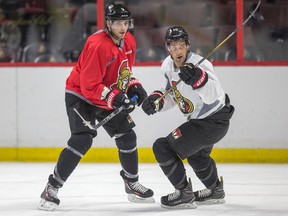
(105, 120)
(211, 53)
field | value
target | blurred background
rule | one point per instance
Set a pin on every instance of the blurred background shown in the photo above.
(56, 30)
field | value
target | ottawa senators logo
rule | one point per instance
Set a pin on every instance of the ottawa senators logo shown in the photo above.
(124, 75)
(184, 104)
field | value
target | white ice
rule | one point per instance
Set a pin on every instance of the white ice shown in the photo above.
(97, 189)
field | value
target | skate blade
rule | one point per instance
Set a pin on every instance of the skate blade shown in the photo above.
(136, 199)
(211, 202)
(46, 205)
(191, 205)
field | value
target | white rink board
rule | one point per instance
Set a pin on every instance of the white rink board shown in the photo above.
(33, 110)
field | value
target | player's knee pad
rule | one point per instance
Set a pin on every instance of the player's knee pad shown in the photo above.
(80, 143)
(127, 142)
(162, 150)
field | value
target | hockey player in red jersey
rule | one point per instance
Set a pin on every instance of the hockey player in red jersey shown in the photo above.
(99, 82)
(202, 100)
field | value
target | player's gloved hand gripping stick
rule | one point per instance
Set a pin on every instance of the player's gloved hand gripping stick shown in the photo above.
(105, 120)
(212, 52)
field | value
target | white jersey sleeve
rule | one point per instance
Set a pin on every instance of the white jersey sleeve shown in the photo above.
(198, 103)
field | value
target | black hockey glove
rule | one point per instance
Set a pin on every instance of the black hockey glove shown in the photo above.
(193, 76)
(135, 88)
(116, 98)
(149, 106)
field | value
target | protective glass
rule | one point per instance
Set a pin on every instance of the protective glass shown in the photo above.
(118, 24)
(174, 48)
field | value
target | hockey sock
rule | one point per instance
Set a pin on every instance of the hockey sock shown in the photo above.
(128, 154)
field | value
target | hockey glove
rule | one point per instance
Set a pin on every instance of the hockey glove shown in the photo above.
(135, 88)
(193, 76)
(116, 98)
(149, 106)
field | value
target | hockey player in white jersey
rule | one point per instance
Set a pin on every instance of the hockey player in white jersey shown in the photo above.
(202, 100)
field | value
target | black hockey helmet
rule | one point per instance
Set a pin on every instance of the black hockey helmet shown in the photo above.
(117, 12)
(176, 33)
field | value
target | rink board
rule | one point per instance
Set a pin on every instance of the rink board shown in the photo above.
(235, 155)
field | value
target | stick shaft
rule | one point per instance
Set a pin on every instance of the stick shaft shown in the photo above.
(111, 115)
(106, 119)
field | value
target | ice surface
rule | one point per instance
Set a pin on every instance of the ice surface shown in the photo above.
(97, 189)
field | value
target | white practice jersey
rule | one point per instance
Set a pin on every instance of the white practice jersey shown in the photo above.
(198, 103)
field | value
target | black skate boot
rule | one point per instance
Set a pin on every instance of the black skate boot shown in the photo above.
(211, 196)
(180, 199)
(136, 191)
(49, 199)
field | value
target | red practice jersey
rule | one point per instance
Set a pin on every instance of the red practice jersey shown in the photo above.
(102, 64)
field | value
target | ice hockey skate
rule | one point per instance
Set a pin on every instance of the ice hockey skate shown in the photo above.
(49, 199)
(137, 192)
(211, 196)
(180, 199)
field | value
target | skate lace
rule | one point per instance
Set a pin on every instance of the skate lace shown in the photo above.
(204, 192)
(52, 191)
(138, 187)
(174, 195)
